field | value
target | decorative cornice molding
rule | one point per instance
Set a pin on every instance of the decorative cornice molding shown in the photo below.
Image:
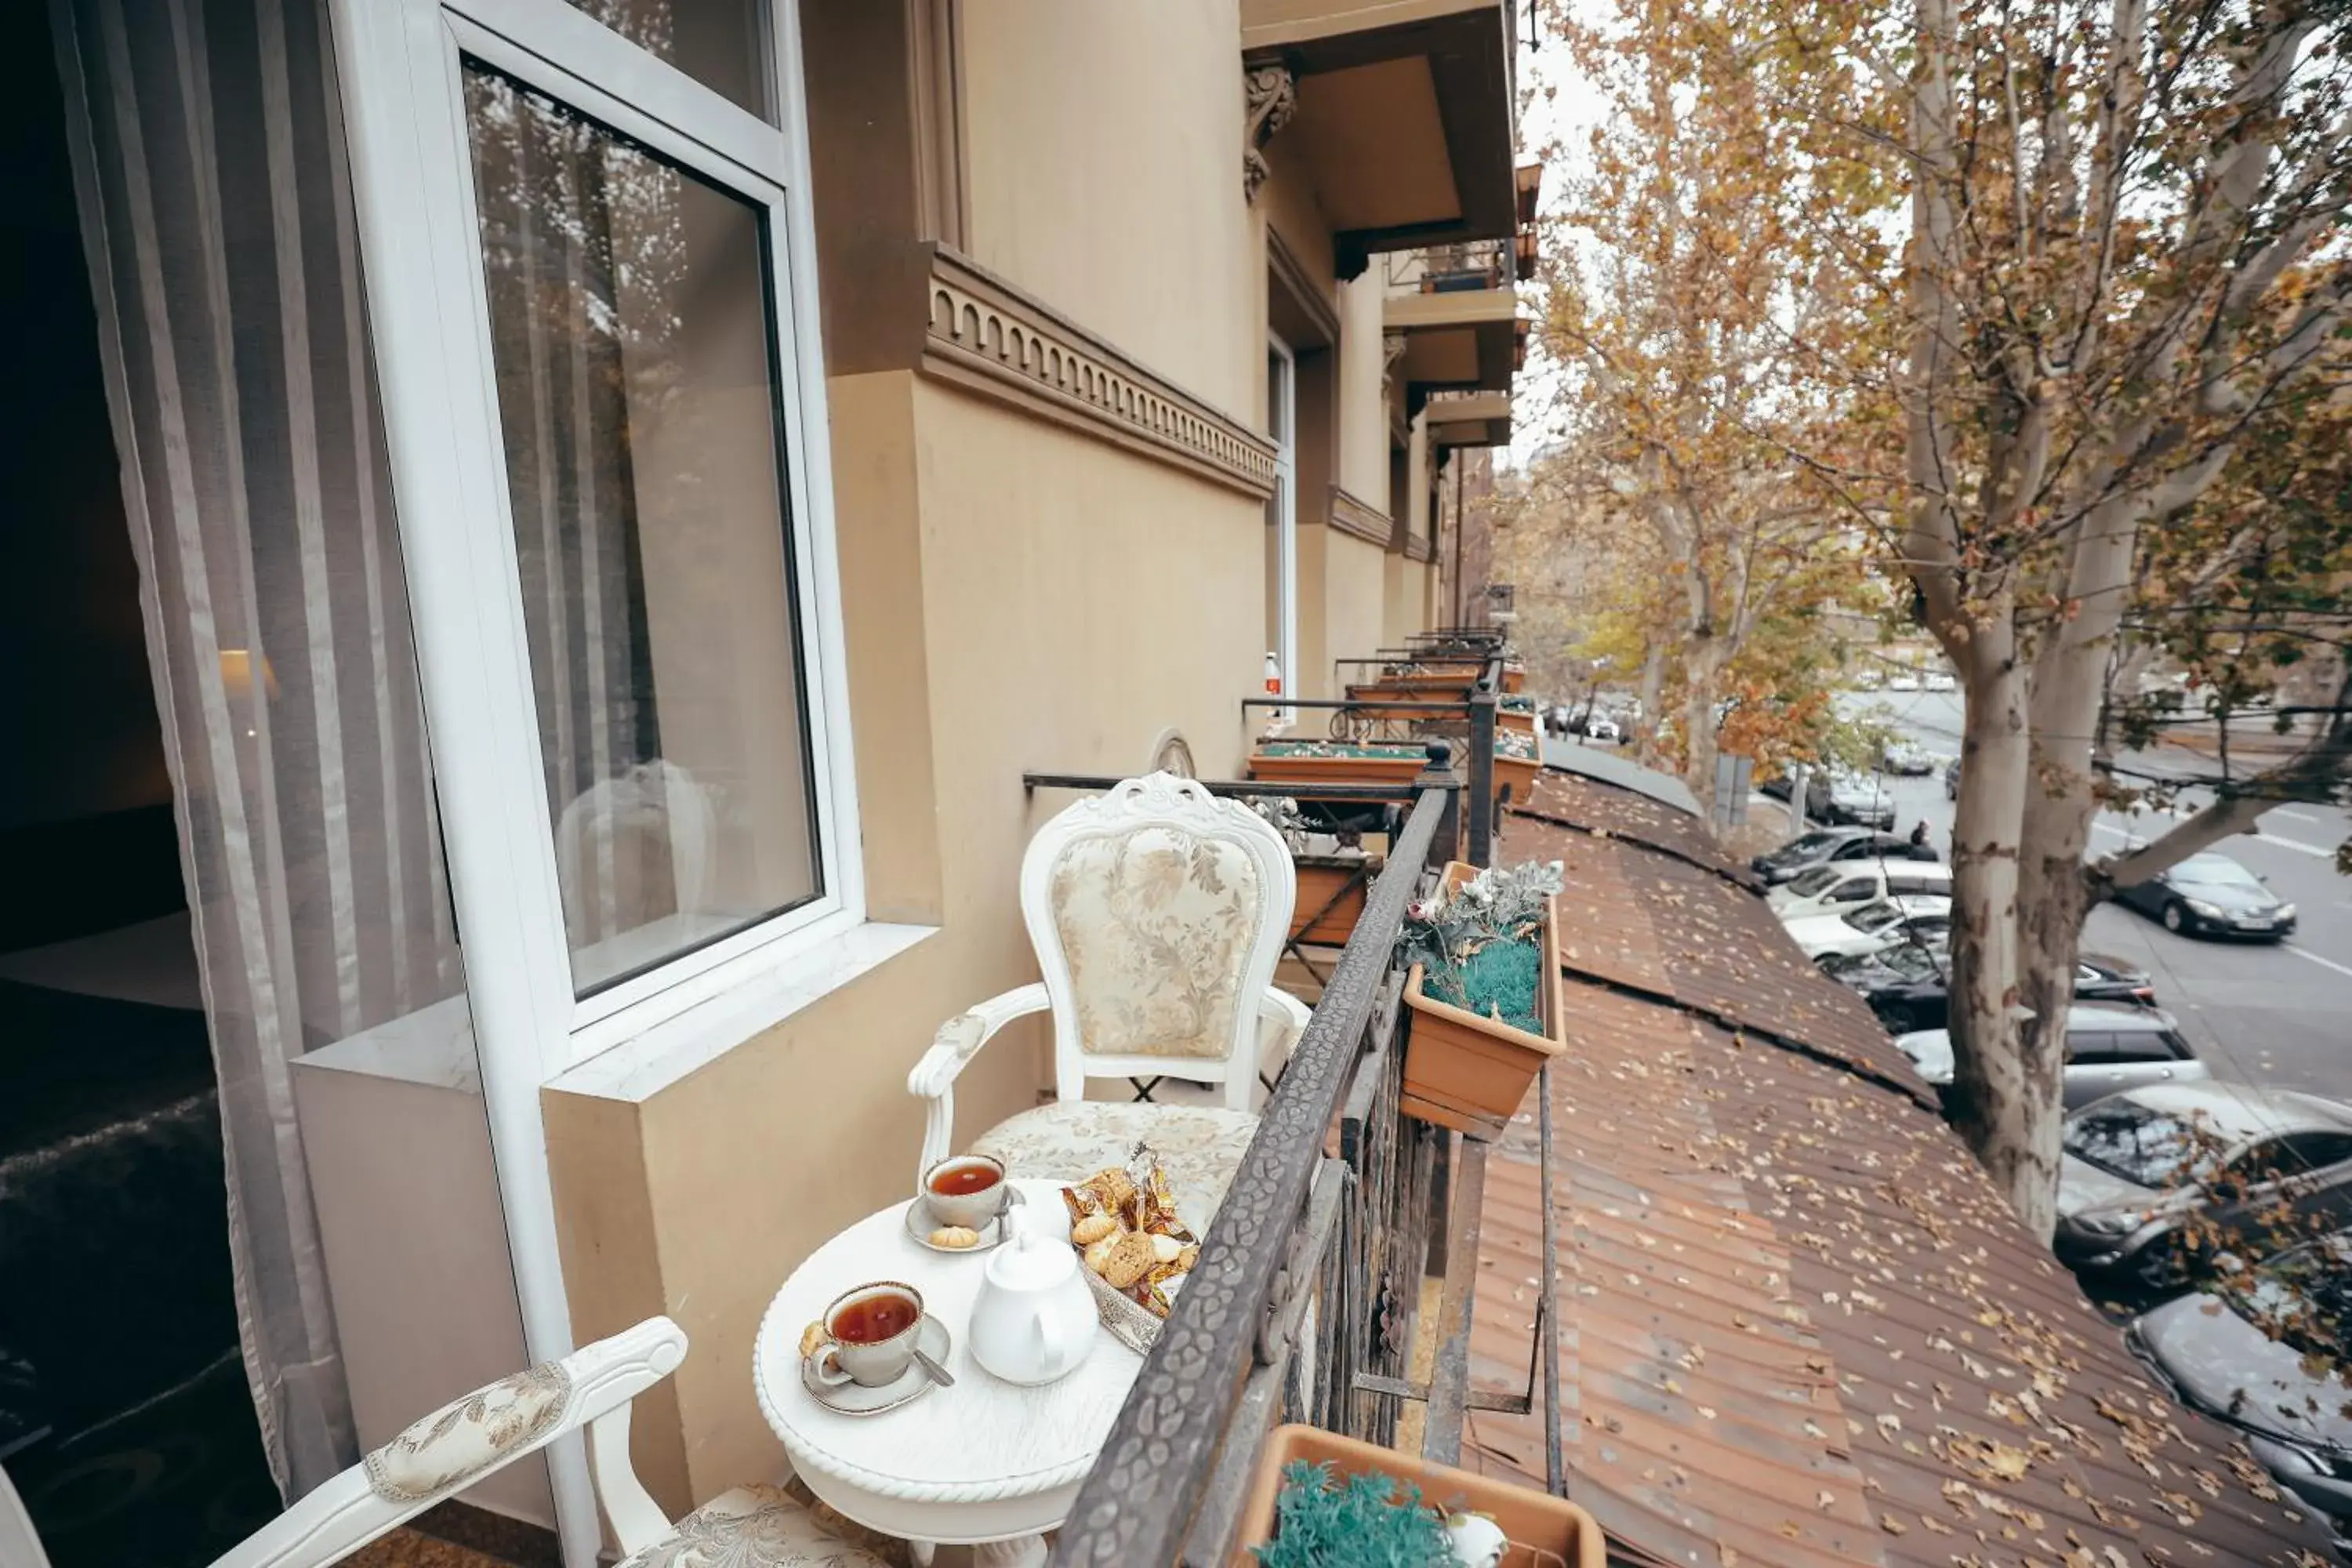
(1351, 514)
(987, 335)
(1419, 549)
(1269, 98)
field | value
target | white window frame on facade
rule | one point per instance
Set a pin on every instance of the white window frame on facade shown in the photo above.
(412, 186)
(1282, 423)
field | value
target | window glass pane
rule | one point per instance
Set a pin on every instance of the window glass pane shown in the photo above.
(722, 44)
(637, 394)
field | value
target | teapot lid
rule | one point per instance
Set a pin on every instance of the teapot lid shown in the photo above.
(1034, 1259)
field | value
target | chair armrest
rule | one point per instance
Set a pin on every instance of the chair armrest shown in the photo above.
(958, 1041)
(1281, 1019)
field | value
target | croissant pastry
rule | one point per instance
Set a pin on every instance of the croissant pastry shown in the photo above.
(1093, 1228)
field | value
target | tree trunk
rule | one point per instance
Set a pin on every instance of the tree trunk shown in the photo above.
(1645, 722)
(1703, 662)
(2003, 1103)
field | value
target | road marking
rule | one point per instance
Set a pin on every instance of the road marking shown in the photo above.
(2322, 963)
(2296, 843)
(2289, 811)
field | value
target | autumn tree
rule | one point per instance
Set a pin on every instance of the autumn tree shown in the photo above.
(2124, 247)
(1681, 289)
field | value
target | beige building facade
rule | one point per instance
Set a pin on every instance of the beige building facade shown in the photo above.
(686, 464)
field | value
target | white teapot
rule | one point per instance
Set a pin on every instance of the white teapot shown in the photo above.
(1033, 1320)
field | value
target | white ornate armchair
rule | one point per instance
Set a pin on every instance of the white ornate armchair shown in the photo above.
(1158, 912)
(441, 1454)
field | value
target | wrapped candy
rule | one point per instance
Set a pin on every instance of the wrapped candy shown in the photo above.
(1124, 1221)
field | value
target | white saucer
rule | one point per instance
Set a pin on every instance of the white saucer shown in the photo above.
(921, 1222)
(857, 1399)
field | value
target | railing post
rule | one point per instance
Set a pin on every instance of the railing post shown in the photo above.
(1440, 773)
(1484, 699)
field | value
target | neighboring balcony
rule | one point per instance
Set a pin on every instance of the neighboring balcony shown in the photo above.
(1470, 419)
(1402, 115)
(1457, 313)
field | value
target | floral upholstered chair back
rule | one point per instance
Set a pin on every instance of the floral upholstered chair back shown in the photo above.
(1158, 912)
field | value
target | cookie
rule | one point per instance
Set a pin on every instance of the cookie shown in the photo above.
(958, 1236)
(1131, 1258)
(1093, 1228)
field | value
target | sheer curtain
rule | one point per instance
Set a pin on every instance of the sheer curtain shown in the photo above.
(213, 185)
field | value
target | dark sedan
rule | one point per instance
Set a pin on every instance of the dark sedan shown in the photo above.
(2212, 895)
(1906, 987)
(1827, 844)
(2263, 1350)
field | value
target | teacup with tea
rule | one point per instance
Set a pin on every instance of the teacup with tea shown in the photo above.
(969, 1190)
(871, 1331)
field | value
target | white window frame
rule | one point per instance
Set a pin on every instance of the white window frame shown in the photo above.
(1282, 422)
(412, 191)
(559, 50)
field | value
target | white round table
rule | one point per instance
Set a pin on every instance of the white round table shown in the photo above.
(987, 1463)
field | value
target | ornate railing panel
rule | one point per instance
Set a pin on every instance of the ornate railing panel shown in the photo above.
(1174, 1469)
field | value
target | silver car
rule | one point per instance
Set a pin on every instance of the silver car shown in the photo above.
(2109, 1048)
(2254, 1352)
(2152, 1181)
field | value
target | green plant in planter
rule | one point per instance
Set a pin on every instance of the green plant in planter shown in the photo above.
(1366, 1521)
(1481, 950)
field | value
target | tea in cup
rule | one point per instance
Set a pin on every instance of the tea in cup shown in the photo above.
(969, 1190)
(873, 1329)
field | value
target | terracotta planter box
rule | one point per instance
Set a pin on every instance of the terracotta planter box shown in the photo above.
(1519, 774)
(1521, 721)
(1468, 1072)
(1322, 878)
(1400, 763)
(1544, 1530)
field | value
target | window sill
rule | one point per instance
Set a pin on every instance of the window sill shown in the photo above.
(643, 1064)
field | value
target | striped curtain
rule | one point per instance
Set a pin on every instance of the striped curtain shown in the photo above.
(215, 207)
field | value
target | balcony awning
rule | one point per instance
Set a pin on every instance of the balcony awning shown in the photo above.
(1465, 339)
(1403, 117)
(1476, 419)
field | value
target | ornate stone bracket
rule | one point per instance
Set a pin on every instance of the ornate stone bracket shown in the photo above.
(1269, 97)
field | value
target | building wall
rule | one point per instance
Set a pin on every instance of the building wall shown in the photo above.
(1075, 601)
(1355, 572)
(1104, 151)
(1363, 393)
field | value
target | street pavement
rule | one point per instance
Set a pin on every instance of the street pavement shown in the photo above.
(2262, 1013)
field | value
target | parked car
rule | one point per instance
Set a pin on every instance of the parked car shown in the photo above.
(2212, 895)
(2110, 1047)
(1826, 844)
(1952, 779)
(1840, 885)
(1906, 758)
(1905, 682)
(1834, 795)
(1914, 920)
(2241, 1353)
(1939, 680)
(1602, 727)
(2136, 1167)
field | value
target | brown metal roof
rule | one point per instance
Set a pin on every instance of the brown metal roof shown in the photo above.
(1650, 923)
(1797, 1324)
(1572, 800)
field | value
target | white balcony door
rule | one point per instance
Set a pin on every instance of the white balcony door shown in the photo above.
(1282, 424)
(590, 272)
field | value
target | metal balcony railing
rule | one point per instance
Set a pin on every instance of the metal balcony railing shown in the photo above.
(1446, 268)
